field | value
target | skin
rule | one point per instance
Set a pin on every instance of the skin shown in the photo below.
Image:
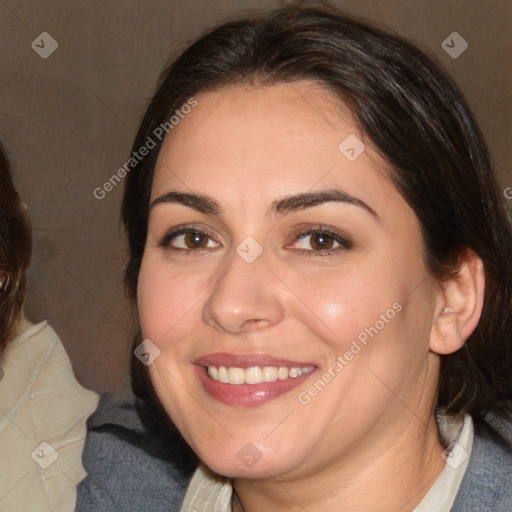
(372, 428)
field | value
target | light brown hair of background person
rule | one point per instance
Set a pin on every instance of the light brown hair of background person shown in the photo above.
(15, 251)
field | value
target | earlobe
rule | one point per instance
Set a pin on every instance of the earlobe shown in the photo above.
(459, 307)
(447, 336)
(5, 278)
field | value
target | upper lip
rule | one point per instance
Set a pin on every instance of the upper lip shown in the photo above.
(246, 361)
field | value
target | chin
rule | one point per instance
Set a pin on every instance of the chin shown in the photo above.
(249, 462)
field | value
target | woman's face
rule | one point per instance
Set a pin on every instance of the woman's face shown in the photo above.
(276, 254)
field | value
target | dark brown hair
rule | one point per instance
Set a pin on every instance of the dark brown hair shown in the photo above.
(416, 119)
(15, 250)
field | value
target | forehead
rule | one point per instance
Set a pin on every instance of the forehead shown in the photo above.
(268, 141)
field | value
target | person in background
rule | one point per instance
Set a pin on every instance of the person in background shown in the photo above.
(42, 406)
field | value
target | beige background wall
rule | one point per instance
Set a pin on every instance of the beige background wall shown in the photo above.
(68, 122)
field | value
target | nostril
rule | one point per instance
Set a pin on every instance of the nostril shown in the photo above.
(255, 323)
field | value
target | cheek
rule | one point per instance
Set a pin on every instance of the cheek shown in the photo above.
(342, 307)
(164, 301)
(331, 309)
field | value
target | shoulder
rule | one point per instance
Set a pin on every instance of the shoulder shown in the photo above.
(39, 392)
(121, 474)
(45, 410)
(38, 352)
(40, 378)
(487, 483)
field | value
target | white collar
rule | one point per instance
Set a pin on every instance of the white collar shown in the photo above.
(209, 492)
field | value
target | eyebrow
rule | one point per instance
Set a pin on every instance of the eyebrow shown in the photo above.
(310, 199)
(209, 206)
(203, 204)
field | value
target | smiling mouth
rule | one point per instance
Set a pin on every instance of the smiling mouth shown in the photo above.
(250, 380)
(255, 374)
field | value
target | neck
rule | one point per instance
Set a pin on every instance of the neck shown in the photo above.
(409, 466)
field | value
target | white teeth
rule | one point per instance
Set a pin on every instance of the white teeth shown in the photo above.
(270, 373)
(255, 374)
(236, 375)
(223, 375)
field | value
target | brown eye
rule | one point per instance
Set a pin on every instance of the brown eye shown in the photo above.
(188, 239)
(195, 240)
(321, 241)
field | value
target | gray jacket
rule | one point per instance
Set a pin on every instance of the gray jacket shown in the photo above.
(487, 483)
(123, 477)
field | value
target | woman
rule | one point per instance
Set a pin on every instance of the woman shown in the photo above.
(42, 425)
(321, 262)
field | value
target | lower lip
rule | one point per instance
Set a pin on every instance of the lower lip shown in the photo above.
(248, 395)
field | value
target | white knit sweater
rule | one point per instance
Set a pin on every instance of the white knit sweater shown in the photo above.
(42, 424)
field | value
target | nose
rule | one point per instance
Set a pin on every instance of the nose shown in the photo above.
(246, 297)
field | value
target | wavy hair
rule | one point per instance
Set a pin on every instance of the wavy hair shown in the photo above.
(15, 251)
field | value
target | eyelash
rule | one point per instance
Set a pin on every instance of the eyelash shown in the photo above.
(343, 242)
(165, 241)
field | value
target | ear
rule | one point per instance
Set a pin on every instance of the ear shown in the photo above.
(5, 278)
(459, 305)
